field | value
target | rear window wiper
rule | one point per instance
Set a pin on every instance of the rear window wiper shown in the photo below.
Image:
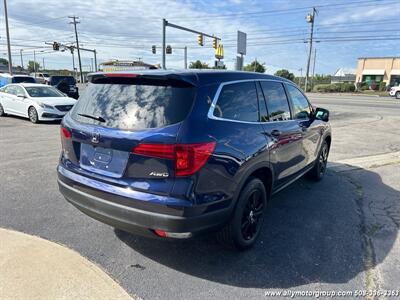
(100, 119)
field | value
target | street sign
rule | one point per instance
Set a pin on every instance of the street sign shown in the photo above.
(241, 42)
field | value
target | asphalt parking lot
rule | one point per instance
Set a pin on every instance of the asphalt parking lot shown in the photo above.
(338, 234)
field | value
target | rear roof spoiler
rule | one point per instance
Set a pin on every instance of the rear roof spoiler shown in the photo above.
(188, 78)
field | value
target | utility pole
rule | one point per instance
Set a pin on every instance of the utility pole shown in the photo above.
(43, 67)
(301, 76)
(74, 22)
(313, 69)
(34, 62)
(164, 25)
(8, 38)
(22, 61)
(310, 19)
(185, 54)
(95, 60)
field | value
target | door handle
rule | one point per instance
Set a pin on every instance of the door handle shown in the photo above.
(276, 133)
(303, 126)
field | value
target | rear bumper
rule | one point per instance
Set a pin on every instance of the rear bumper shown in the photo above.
(134, 216)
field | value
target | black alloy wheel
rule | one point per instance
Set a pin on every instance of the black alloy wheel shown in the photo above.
(252, 213)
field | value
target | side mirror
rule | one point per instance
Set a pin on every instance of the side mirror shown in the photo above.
(321, 114)
(20, 95)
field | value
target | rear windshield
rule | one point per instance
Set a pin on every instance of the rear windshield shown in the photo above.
(20, 79)
(57, 79)
(134, 106)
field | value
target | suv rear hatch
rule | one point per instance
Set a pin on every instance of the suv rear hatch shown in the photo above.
(124, 128)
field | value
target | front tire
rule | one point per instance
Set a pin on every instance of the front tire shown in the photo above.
(245, 226)
(319, 169)
(33, 115)
(2, 113)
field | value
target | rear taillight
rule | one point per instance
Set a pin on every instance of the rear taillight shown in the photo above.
(189, 158)
(156, 150)
(65, 133)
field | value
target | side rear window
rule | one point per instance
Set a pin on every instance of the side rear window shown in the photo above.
(277, 102)
(134, 106)
(301, 106)
(238, 101)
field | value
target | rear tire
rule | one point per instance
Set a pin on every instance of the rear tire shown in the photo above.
(33, 115)
(245, 226)
(2, 113)
(319, 169)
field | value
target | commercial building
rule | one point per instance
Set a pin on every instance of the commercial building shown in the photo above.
(376, 69)
(125, 65)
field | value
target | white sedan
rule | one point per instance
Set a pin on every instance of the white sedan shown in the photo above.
(395, 92)
(38, 102)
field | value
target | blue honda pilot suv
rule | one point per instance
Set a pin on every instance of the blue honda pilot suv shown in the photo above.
(173, 154)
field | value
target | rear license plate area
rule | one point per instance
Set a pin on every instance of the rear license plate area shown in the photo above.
(104, 161)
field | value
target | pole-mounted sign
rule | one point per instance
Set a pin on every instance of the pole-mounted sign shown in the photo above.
(219, 52)
(241, 49)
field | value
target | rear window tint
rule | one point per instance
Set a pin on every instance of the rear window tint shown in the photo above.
(20, 79)
(134, 106)
(54, 80)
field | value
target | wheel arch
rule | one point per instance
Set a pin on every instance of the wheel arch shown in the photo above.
(34, 106)
(264, 172)
(328, 139)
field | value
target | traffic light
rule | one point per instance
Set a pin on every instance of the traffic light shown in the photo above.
(56, 46)
(215, 43)
(168, 50)
(153, 49)
(200, 40)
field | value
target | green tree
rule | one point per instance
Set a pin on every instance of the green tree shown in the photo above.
(3, 61)
(31, 66)
(285, 74)
(255, 66)
(198, 65)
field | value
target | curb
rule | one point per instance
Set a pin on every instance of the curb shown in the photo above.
(35, 268)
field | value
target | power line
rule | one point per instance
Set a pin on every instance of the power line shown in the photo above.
(276, 11)
(37, 23)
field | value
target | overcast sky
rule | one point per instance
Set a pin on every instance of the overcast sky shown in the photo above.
(276, 30)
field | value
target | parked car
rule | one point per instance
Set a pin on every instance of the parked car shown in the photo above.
(175, 154)
(41, 77)
(38, 102)
(66, 84)
(395, 91)
(6, 78)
